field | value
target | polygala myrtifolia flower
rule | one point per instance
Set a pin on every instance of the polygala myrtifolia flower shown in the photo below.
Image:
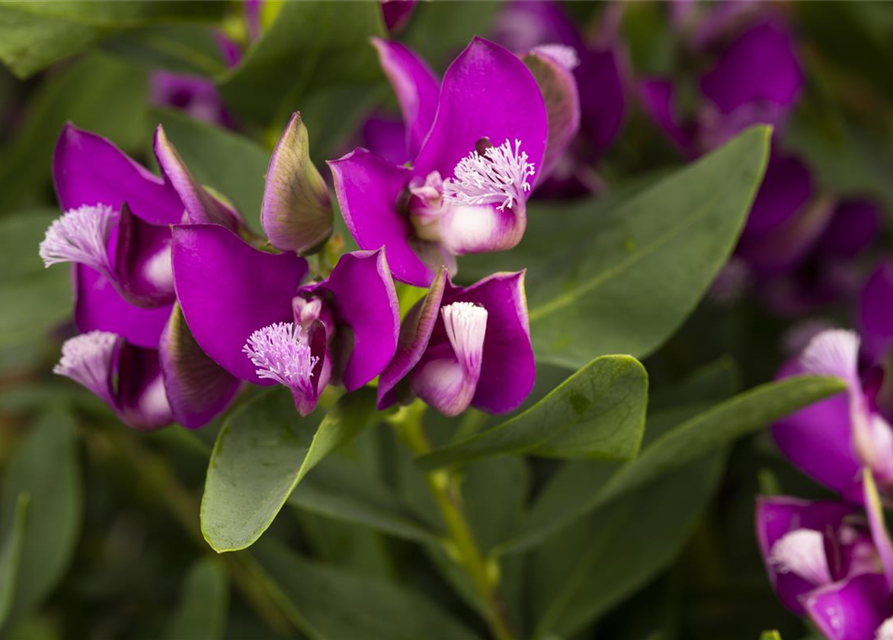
(478, 141)
(115, 231)
(462, 346)
(251, 314)
(832, 440)
(830, 561)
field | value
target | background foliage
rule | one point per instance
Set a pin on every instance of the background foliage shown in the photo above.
(615, 504)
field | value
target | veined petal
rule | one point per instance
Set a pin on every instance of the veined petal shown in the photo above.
(508, 368)
(90, 170)
(296, 213)
(852, 609)
(416, 87)
(368, 188)
(228, 290)
(759, 66)
(361, 295)
(198, 389)
(143, 261)
(487, 93)
(876, 312)
(98, 306)
(201, 207)
(780, 517)
(415, 334)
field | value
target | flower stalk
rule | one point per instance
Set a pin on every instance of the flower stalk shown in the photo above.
(461, 544)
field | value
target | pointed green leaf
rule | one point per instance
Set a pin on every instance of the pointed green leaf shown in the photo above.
(202, 605)
(745, 413)
(47, 467)
(648, 262)
(262, 452)
(11, 555)
(599, 412)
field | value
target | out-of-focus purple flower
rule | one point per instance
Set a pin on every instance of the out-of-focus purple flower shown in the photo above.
(832, 440)
(462, 346)
(477, 141)
(525, 26)
(249, 311)
(194, 95)
(115, 231)
(396, 13)
(807, 545)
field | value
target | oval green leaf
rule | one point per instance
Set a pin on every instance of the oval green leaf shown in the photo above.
(204, 598)
(597, 413)
(262, 452)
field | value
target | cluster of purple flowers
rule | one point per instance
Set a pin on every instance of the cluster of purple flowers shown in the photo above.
(178, 302)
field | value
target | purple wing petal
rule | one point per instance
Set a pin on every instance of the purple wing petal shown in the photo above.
(197, 388)
(509, 369)
(415, 333)
(818, 440)
(759, 66)
(778, 516)
(143, 261)
(88, 170)
(386, 137)
(201, 206)
(852, 609)
(99, 306)
(142, 402)
(364, 301)
(416, 87)
(562, 102)
(396, 13)
(368, 188)
(487, 93)
(228, 290)
(876, 312)
(602, 98)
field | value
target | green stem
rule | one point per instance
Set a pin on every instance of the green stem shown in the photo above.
(463, 547)
(154, 470)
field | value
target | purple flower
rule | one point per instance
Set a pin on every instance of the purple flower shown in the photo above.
(832, 440)
(830, 561)
(477, 142)
(542, 27)
(251, 314)
(194, 95)
(396, 13)
(115, 231)
(462, 346)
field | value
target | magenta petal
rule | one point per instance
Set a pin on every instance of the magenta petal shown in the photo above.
(879, 533)
(876, 312)
(99, 306)
(143, 261)
(778, 516)
(201, 207)
(368, 188)
(141, 399)
(487, 92)
(228, 290)
(818, 440)
(415, 333)
(786, 187)
(88, 170)
(416, 87)
(386, 137)
(658, 98)
(852, 609)
(364, 302)
(197, 388)
(509, 369)
(759, 66)
(602, 98)
(396, 13)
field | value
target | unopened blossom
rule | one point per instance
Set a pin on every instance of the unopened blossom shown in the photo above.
(832, 440)
(115, 231)
(254, 315)
(477, 141)
(464, 346)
